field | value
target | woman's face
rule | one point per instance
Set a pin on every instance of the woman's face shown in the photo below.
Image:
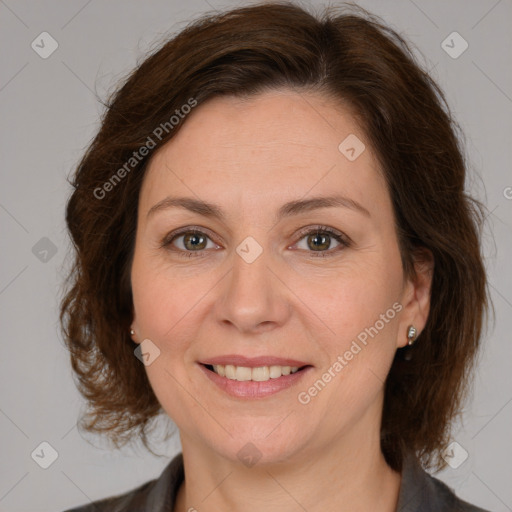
(272, 274)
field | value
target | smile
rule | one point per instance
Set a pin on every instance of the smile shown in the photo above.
(258, 374)
(253, 382)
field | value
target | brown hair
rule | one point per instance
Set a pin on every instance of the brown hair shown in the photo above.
(355, 58)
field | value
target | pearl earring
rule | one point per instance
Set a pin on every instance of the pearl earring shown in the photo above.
(411, 334)
(132, 332)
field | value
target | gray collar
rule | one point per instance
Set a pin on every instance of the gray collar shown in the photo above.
(419, 492)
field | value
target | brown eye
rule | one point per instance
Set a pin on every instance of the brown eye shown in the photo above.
(319, 241)
(191, 242)
(194, 241)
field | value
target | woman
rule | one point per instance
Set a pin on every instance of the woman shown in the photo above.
(274, 248)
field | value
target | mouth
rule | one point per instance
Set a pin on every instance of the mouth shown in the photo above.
(252, 382)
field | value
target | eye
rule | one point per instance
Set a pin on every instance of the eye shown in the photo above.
(191, 242)
(188, 243)
(320, 239)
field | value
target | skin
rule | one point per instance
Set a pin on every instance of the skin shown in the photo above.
(250, 156)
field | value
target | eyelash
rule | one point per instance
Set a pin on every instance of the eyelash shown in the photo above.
(343, 240)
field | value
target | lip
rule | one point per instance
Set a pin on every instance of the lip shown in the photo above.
(253, 362)
(251, 389)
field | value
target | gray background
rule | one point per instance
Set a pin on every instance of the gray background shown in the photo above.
(49, 113)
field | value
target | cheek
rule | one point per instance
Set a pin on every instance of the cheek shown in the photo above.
(162, 310)
(161, 305)
(361, 308)
(354, 300)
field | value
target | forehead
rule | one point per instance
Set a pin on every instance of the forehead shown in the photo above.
(273, 146)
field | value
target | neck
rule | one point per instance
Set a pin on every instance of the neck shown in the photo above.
(344, 476)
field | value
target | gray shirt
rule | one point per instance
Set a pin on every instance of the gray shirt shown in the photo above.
(419, 492)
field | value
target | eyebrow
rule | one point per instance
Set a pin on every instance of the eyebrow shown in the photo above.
(287, 210)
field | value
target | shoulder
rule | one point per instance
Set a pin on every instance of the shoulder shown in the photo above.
(131, 500)
(448, 497)
(157, 495)
(422, 492)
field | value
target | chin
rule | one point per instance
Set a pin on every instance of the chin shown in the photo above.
(262, 445)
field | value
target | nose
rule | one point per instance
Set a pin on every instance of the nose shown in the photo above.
(252, 297)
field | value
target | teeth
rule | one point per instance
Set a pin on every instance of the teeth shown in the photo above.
(242, 373)
(230, 371)
(259, 374)
(286, 370)
(275, 372)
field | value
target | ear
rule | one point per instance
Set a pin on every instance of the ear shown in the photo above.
(416, 295)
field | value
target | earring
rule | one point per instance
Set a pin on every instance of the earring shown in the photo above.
(132, 332)
(411, 334)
